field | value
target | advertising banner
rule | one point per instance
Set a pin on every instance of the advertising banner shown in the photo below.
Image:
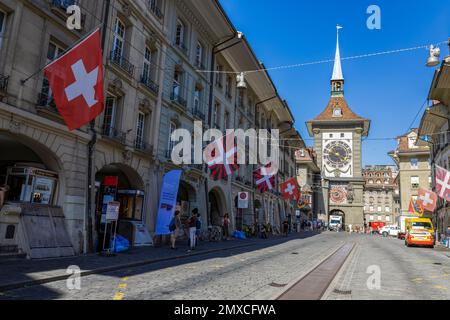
(167, 201)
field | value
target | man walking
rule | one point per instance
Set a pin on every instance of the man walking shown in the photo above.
(192, 225)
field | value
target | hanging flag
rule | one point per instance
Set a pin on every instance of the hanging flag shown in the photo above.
(290, 189)
(427, 199)
(443, 183)
(76, 82)
(221, 157)
(414, 208)
(264, 178)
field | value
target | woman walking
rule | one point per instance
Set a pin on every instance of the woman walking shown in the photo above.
(226, 226)
(174, 228)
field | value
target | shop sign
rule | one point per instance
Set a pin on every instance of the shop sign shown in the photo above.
(112, 211)
(243, 200)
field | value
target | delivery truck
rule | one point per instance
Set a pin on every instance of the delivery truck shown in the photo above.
(335, 223)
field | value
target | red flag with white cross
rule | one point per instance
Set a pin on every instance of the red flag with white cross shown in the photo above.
(76, 81)
(290, 189)
(443, 183)
(221, 157)
(427, 199)
(265, 178)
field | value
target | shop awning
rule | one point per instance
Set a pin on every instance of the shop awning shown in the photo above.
(433, 120)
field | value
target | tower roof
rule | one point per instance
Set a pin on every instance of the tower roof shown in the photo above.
(337, 69)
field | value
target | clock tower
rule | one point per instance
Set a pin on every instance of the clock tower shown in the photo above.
(338, 133)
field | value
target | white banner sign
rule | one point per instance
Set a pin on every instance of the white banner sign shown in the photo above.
(243, 200)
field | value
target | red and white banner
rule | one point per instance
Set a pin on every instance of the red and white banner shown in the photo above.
(221, 157)
(443, 183)
(264, 178)
(290, 189)
(427, 199)
(76, 81)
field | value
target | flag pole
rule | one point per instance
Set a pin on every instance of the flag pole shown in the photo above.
(23, 81)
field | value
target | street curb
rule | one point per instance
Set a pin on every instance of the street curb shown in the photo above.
(30, 283)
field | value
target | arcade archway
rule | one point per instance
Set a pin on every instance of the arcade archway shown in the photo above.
(217, 208)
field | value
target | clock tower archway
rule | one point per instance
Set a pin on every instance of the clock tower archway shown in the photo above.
(338, 133)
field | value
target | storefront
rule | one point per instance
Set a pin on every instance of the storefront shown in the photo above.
(31, 185)
(112, 184)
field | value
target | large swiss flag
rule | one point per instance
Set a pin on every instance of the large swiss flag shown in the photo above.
(290, 189)
(76, 80)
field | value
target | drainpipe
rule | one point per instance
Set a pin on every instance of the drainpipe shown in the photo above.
(90, 214)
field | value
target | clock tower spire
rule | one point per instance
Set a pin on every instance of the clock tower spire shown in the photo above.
(337, 79)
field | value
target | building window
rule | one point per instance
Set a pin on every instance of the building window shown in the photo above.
(197, 100)
(226, 120)
(2, 27)
(387, 209)
(140, 129)
(371, 218)
(415, 182)
(414, 163)
(148, 67)
(176, 84)
(171, 144)
(46, 97)
(118, 39)
(371, 208)
(216, 111)
(180, 34)
(378, 209)
(199, 55)
(228, 87)
(109, 116)
(380, 218)
(219, 75)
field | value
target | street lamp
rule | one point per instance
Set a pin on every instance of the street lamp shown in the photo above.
(240, 79)
(433, 58)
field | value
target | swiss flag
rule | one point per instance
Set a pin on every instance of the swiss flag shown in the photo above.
(443, 183)
(76, 80)
(265, 178)
(290, 189)
(427, 199)
(221, 157)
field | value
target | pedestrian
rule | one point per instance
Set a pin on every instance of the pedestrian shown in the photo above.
(285, 227)
(226, 226)
(174, 228)
(198, 226)
(192, 225)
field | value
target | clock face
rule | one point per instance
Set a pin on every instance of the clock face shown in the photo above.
(337, 154)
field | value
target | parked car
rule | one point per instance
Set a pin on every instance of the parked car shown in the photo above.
(391, 230)
(419, 237)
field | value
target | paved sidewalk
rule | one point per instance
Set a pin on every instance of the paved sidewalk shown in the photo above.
(17, 273)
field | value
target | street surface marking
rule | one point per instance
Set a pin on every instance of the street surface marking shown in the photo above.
(118, 296)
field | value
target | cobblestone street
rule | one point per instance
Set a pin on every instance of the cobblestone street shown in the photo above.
(265, 271)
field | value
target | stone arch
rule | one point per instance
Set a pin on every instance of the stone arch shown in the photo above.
(217, 205)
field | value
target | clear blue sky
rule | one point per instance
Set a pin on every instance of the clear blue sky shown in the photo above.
(388, 89)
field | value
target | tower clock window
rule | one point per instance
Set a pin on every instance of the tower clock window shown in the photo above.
(337, 112)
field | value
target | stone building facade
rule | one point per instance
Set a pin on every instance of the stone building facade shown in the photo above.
(412, 157)
(379, 194)
(155, 54)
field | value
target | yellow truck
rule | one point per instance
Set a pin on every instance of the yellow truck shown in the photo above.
(419, 231)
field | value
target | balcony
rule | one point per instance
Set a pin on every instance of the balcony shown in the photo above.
(3, 85)
(182, 47)
(46, 102)
(153, 8)
(199, 114)
(62, 4)
(143, 147)
(150, 84)
(114, 134)
(118, 59)
(178, 99)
